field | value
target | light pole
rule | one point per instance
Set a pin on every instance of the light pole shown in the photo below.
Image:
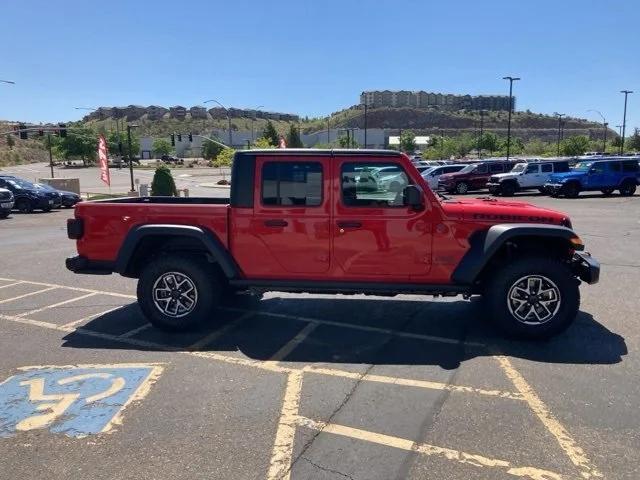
(624, 119)
(604, 126)
(365, 124)
(482, 112)
(559, 115)
(253, 121)
(511, 80)
(619, 127)
(228, 117)
(129, 127)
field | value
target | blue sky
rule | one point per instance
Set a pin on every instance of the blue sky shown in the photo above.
(315, 57)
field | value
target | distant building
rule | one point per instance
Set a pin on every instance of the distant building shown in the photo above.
(422, 99)
(155, 112)
(198, 112)
(178, 112)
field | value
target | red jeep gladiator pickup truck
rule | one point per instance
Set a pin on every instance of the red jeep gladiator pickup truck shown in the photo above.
(311, 221)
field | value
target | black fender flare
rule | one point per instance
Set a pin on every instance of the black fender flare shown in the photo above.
(485, 244)
(211, 242)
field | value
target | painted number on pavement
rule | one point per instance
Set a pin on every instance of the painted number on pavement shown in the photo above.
(73, 400)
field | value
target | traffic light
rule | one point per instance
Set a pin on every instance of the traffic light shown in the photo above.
(179, 137)
(173, 140)
(23, 131)
(190, 137)
(62, 130)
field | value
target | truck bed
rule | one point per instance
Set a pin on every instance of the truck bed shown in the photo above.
(168, 200)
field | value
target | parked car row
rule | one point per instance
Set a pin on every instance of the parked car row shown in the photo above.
(24, 196)
(554, 176)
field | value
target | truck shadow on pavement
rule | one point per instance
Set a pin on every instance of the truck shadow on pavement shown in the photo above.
(353, 330)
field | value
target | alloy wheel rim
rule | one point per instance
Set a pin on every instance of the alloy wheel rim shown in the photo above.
(533, 299)
(174, 294)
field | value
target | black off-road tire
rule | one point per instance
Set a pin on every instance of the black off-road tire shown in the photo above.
(571, 190)
(508, 189)
(508, 280)
(628, 188)
(462, 188)
(4, 214)
(199, 274)
(607, 191)
(23, 205)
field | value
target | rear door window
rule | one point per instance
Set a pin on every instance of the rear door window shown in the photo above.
(373, 184)
(546, 168)
(615, 167)
(495, 168)
(292, 184)
(630, 166)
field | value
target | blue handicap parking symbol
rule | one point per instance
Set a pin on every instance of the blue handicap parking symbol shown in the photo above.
(73, 400)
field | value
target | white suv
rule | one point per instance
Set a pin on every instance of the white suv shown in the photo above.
(432, 174)
(525, 176)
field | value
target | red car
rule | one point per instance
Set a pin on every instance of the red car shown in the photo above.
(301, 221)
(473, 177)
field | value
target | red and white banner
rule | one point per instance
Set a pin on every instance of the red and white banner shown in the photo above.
(103, 157)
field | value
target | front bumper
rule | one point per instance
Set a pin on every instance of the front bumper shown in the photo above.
(553, 188)
(585, 267)
(493, 187)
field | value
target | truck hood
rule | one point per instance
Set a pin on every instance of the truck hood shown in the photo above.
(494, 211)
(560, 177)
(501, 176)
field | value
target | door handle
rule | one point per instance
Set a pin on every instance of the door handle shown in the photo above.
(349, 224)
(275, 223)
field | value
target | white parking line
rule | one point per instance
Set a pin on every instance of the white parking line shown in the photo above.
(72, 325)
(292, 344)
(429, 450)
(135, 331)
(12, 284)
(77, 289)
(54, 305)
(28, 294)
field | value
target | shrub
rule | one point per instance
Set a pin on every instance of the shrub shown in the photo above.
(224, 158)
(163, 183)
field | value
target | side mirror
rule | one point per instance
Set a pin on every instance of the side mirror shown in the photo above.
(413, 197)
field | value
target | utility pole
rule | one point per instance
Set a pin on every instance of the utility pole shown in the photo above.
(129, 127)
(328, 141)
(559, 115)
(511, 80)
(50, 154)
(624, 119)
(481, 133)
(365, 124)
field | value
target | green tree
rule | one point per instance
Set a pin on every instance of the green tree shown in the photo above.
(112, 141)
(407, 141)
(80, 142)
(633, 142)
(293, 137)
(210, 150)
(262, 142)
(271, 134)
(345, 141)
(489, 141)
(574, 146)
(224, 158)
(163, 184)
(10, 141)
(162, 146)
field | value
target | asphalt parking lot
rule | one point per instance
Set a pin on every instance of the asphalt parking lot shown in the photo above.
(312, 386)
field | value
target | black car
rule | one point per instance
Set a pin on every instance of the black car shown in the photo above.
(63, 198)
(6, 202)
(27, 197)
(56, 195)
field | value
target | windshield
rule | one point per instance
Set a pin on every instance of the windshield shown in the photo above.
(519, 168)
(428, 171)
(583, 166)
(43, 186)
(468, 168)
(20, 184)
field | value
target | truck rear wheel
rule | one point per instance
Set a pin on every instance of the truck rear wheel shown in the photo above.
(533, 298)
(628, 188)
(177, 292)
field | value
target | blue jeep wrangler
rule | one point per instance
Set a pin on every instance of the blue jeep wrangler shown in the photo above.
(605, 175)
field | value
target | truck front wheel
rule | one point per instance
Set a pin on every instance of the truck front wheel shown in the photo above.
(177, 292)
(533, 298)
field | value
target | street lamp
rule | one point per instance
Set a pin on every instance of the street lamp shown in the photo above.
(129, 127)
(624, 119)
(228, 117)
(511, 80)
(604, 126)
(253, 121)
(482, 112)
(559, 115)
(619, 127)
